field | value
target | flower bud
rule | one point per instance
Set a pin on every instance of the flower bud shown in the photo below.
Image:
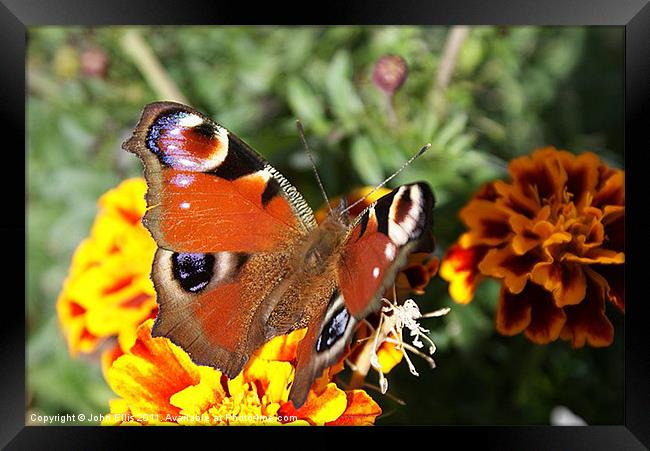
(94, 62)
(390, 73)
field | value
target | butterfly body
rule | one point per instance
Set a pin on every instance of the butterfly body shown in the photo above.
(241, 258)
(320, 247)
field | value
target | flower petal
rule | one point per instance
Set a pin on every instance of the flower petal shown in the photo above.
(566, 280)
(417, 273)
(388, 356)
(530, 232)
(361, 410)
(586, 322)
(488, 225)
(460, 268)
(319, 409)
(514, 200)
(582, 175)
(513, 313)
(602, 256)
(282, 347)
(273, 377)
(540, 176)
(615, 277)
(532, 311)
(514, 269)
(351, 198)
(195, 399)
(612, 190)
(151, 373)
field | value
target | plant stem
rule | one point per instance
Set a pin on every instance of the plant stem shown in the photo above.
(135, 47)
(455, 38)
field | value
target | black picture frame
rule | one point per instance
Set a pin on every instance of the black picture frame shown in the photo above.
(633, 15)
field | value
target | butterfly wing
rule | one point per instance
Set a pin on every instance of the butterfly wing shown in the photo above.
(374, 251)
(224, 221)
(377, 247)
(208, 190)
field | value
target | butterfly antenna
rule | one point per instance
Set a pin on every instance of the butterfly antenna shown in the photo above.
(374, 190)
(313, 163)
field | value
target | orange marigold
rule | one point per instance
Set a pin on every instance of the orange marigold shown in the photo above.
(554, 235)
(108, 290)
(159, 384)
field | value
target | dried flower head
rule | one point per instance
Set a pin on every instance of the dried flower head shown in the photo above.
(390, 331)
(554, 236)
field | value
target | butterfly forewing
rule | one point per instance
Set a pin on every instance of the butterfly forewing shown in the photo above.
(378, 245)
(208, 190)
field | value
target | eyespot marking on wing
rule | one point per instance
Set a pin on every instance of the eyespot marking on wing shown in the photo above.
(336, 323)
(192, 273)
(187, 142)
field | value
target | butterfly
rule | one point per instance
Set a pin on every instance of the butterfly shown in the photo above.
(241, 258)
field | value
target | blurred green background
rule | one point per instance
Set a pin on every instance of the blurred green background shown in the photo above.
(511, 90)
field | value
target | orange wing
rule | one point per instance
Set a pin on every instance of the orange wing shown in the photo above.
(225, 222)
(378, 245)
(208, 190)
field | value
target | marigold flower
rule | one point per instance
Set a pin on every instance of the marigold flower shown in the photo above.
(108, 290)
(159, 384)
(554, 236)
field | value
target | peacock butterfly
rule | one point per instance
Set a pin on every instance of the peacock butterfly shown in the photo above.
(241, 258)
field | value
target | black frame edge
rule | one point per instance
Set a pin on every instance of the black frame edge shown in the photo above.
(12, 116)
(379, 12)
(637, 145)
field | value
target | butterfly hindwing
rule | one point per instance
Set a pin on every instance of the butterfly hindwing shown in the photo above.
(210, 304)
(327, 336)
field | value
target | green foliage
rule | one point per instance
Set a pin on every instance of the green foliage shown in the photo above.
(513, 89)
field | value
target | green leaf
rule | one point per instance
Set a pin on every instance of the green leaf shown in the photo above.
(306, 105)
(365, 161)
(343, 97)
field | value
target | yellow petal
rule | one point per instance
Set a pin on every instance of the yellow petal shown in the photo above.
(196, 399)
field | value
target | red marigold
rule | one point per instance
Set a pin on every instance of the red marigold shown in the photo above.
(554, 236)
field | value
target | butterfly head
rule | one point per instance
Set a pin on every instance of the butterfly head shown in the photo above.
(322, 244)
